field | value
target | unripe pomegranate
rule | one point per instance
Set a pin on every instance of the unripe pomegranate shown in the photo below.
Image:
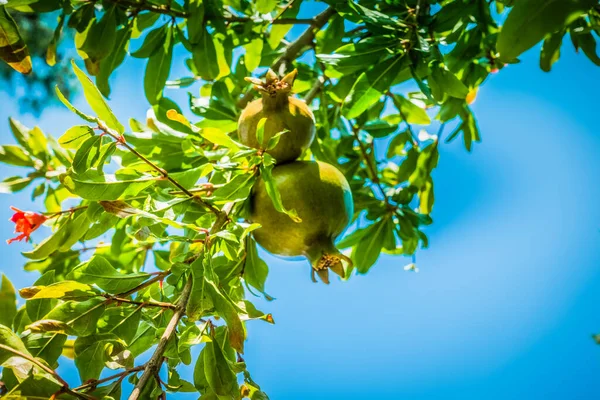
(282, 112)
(322, 198)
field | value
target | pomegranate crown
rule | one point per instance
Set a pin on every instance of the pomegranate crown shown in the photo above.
(272, 84)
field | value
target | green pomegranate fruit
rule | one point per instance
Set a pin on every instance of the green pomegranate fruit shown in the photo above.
(321, 196)
(283, 113)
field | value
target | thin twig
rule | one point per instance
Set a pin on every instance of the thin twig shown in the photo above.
(96, 382)
(293, 50)
(65, 385)
(116, 136)
(370, 167)
(160, 276)
(167, 10)
(160, 304)
(153, 365)
(69, 211)
(314, 90)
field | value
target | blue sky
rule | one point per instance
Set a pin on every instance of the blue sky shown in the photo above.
(507, 296)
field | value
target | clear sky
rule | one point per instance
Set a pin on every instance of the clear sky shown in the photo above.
(507, 296)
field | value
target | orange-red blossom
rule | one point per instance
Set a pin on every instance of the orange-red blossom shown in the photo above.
(25, 223)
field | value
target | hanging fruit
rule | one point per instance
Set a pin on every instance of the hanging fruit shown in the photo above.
(283, 113)
(321, 196)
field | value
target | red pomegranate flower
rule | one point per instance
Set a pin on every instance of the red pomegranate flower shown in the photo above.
(25, 223)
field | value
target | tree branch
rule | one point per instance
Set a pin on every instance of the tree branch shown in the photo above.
(167, 10)
(314, 90)
(152, 367)
(294, 49)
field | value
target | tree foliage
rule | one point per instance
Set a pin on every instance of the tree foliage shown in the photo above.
(386, 80)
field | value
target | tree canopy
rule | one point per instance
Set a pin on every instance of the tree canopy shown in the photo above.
(388, 82)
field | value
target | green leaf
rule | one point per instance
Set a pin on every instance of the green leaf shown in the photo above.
(101, 35)
(93, 352)
(37, 309)
(273, 192)
(37, 143)
(51, 51)
(60, 290)
(427, 161)
(551, 50)
(75, 136)
(15, 155)
(87, 154)
(530, 21)
(62, 240)
(144, 21)
(114, 59)
(199, 301)
(253, 53)
(426, 197)
(195, 21)
(584, 39)
(331, 38)
(278, 31)
(70, 106)
(410, 111)
(217, 136)
(265, 6)
(158, 69)
(237, 189)
(14, 184)
(219, 375)
(449, 83)
(255, 269)
(367, 251)
(228, 312)
(121, 321)
(104, 187)
(96, 101)
(100, 272)
(260, 131)
(397, 144)
(47, 346)
(8, 302)
(205, 57)
(13, 49)
(20, 132)
(81, 316)
(379, 128)
(153, 41)
(10, 339)
(50, 325)
(143, 339)
(371, 85)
